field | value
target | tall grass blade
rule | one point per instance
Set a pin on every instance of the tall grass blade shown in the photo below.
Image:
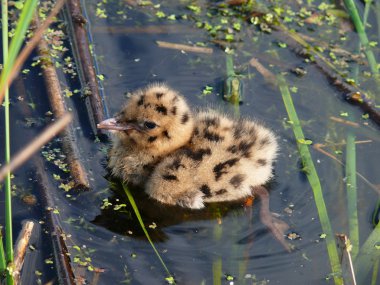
(312, 176)
(375, 272)
(368, 255)
(3, 263)
(354, 14)
(217, 270)
(18, 38)
(7, 150)
(351, 188)
(170, 278)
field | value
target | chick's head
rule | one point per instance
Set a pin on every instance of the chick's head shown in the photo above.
(155, 119)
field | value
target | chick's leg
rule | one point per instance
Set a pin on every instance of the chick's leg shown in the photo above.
(276, 226)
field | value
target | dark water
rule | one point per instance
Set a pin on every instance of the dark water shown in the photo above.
(194, 244)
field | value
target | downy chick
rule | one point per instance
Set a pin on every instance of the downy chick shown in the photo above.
(187, 159)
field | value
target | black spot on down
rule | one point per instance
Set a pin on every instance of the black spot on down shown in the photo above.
(222, 168)
(185, 118)
(236, 180)
(197, 154)
(205, 189)
(170, 177)
(162, 109)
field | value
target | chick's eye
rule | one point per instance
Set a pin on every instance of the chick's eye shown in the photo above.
(149, 125)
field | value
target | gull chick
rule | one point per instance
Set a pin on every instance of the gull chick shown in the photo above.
(189, 159)
(185, 158)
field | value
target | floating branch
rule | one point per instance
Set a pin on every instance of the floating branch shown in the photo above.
(184, 47)
(77, 23)
(59, 108)
(20, 250)
(65, 272)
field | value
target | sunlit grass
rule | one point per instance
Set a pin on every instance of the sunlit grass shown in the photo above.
(312, 176)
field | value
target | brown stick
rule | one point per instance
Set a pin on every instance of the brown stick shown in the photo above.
(345, 122)
(62, 260)
(268, 76)
(85, 62)
(184, 47)
(59, 108)
(21, 246)
(30, 46)
(45, 186)
(35, 145)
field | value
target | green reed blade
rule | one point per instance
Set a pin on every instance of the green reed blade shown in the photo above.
(312, 176)
(368, 255)
(375, 272)
(3, 263)
(217, 270)
(170, 278)
(354, 14)
(351, 188)
(18, 38)
(8, 187)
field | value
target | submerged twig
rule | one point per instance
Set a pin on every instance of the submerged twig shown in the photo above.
(20, 250)
(346, 259)
(265, 72)
(58, 105)
(345, 122)
(183, 47)
(35, 145)
(319, 147)
(77, 23)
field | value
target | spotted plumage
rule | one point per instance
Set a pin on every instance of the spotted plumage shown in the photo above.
(186, 158)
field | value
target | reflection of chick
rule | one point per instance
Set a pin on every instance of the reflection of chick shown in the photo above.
(187, 159)
(190, 159)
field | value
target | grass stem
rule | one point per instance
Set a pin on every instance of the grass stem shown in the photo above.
(7, 152)
(351, 187)
(3, 263)
(170, 278)
(312, 176)
(360, 28)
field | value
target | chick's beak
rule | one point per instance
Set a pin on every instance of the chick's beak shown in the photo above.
(112, 124)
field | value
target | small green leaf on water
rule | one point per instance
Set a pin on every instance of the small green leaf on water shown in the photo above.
(19, 4)
(133, 255)
(76, 247)
(160, 14)
(170, 280)
(100, 76)
(365, 116)
(377, 245)
(194, 8)
(229, 277)
(303, 141)
(323, 236)
(338, 152)
(294, 89)
(344, 114)
(171, 17)
(282, 45)
(207, 90)
(372, 43)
